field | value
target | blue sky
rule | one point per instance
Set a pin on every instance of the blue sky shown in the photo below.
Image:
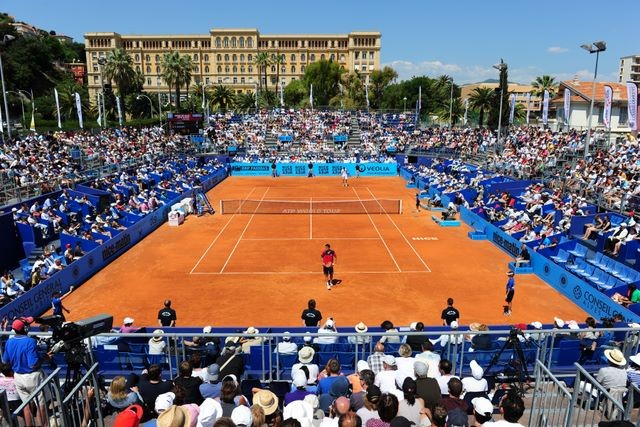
(455, 37)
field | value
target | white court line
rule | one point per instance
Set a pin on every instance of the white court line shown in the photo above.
(402, 234)
(310, 218)
(239, 273)
(216, 238)
(275, 239)
(243, 231)
(377, 231)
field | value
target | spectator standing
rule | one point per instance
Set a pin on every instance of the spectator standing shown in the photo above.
(167, 315)
(311, 316)
(56, 305)
(450, 313)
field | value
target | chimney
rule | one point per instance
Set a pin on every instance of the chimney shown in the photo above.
(575, 80)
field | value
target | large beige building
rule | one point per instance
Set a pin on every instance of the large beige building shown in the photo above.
(519, 90)
(227, 56)
(629, 69)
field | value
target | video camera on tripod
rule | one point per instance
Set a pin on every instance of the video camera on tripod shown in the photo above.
(69, 337)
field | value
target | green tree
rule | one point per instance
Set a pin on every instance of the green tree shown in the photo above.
(176, 72)
(262, 61)
(353, 91)
(457, 112)
(325, 77)
(481, 100)
(278, 61)
(222, 97)
(380, 81)
(294, 93)
(542, 83)
(119, 69)
(245, 102)
(502, 89)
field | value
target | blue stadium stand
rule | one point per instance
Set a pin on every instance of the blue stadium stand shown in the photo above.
(526, 269)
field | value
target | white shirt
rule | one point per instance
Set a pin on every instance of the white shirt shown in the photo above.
(313, 371)
(443, 381)
(405, 367)
(286, 347)
(502, 423)
(386, 380)
(472, 385)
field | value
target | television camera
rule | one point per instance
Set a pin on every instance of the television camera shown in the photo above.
(69, 337)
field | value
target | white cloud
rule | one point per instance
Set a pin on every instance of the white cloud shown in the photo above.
(557, 49)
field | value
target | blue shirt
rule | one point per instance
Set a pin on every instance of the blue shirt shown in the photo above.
(21, 352)
(510, 284)
(56, 304)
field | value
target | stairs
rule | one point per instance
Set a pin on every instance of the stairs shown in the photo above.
(354, 134)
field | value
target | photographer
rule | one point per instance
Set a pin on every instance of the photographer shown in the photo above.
(21, 353)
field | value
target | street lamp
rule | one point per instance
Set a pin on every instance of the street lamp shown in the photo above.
(150, 106)
(405, 104)
(5, 40)
(451, 105)
(502, 66)
(159, 101)
(102, 62)
(596, 48)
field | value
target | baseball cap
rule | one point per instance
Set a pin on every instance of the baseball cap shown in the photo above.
(389, 360)
(482, 406)
(241, 416)
(130, 417)
(19, 324)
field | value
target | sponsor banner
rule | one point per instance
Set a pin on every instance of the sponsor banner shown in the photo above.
(632, 105)
(319, 169)
(37, 300)
(575, 289)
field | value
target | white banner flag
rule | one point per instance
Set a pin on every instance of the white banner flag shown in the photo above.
(55, 95)
(528, 106)
(119, 110)
(79, 110)
(281, 96)
(366, 93)
(632, 105)
(545, 107)
(466, 111)
(99, 110)
(512, 112)
(419, 99)
(1, 122)
(311, 95)
(567, 105)
(608, 100)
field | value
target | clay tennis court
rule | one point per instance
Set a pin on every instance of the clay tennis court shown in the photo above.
(260, 269)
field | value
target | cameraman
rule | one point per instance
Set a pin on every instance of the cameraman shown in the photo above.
(21, 352)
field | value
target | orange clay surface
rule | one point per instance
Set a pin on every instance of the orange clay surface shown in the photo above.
(241, 270)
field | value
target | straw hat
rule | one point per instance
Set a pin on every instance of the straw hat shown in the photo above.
(615, 356)
(266, 400)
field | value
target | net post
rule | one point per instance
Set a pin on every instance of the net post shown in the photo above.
(400, 206)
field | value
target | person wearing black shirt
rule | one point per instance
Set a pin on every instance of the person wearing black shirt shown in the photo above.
(167, 315)
(450, 313)
(150, 386)
(415, 341)
(190, 384)
(230, 361)
(310, 170)
(524, 256)
(311, 316)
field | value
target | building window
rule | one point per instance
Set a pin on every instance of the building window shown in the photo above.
(322, 57)
(206, 58)
(148, 69)
(249, 42)
(364, 55)
(293, 57)
(148, 82)
(235, 58)
(226, 57)
(195, 57)
(147, 58)
(623, 117)
(293, 68)
(157, 58)
(196, 69)
(283, 69)
(225, 42)
(235, 80)
(206, 69)
(332, 57)
(226, 69)
(233, 42)
(356, 55)
(302, 69)
(241, 41)
(235, 69)
(250, 57)
(250, 69)
(302, 57)
(242, 57)
(342, 57)
(95, 69)
(95, 79)
(600, 115)
(219, 58)
(218, 42)
(206, 80)
(219, 69)
(137, 58)
(312, 57)
(138, 69)
(220, 80)
(94, 55)
(242, 69)
(273, 69)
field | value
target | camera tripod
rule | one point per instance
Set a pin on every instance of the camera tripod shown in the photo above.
(517, 361)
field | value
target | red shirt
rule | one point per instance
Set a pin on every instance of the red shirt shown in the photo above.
(328, 257)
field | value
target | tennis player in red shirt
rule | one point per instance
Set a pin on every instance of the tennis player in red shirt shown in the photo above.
(329, 258)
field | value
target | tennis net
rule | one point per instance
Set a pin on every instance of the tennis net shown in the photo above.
(301, 207)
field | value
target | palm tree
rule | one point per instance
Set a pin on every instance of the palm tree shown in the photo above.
(176, 71)
(262, 61)
(278, 60)
(481, 99)
(119, 69)
(245, 101)
(223, 97)
(457, 111)
(542, 83)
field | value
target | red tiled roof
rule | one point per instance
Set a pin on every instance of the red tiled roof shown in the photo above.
(581, 91)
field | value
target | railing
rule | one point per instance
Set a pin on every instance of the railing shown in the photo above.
(551, 401)
(82, 403)
(592, 403)
(44, 404)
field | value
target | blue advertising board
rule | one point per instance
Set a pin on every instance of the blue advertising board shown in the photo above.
(575, 289)
(37, 300)
(319, 169)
